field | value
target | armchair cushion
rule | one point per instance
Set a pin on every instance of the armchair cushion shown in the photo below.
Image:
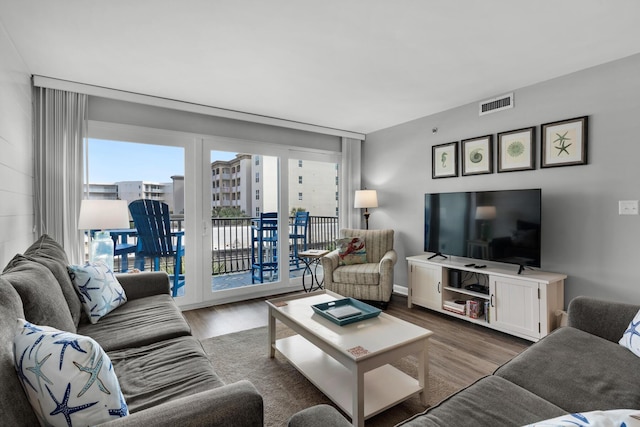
(358, 274)
(351, 250)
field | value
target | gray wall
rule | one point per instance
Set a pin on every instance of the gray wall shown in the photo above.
(582, 234)
(16, 153)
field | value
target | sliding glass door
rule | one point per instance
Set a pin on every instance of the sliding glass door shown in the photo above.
(251, 194)
(234, 201)
(131, 163)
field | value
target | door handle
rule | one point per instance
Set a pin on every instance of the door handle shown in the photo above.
(439, 286)
(492, 304)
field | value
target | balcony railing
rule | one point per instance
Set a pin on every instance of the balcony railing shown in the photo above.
(231, 242)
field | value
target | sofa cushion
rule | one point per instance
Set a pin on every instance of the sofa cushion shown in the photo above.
(358, 274)
(15, 411)
(99, 290)
(45, 245)
(138, 322)
(68, 378)
(163, 371)
(59, 270)
(587, 373)
(490, 401)
(52, 255)
(351, 250)
(631, 337)
(42, 297)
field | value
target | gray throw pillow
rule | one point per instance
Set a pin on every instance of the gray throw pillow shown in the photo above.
(42, 298)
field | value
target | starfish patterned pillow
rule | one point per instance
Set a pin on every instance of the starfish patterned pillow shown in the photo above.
(68, 378)
(99, 290)
(631, 337)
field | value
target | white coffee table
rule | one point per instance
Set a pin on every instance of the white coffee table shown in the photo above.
(350, 364)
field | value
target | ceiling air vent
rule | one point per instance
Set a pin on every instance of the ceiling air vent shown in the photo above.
(496, 104)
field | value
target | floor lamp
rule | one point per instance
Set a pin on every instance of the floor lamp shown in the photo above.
(366, 199)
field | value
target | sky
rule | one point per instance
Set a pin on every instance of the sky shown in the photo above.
(112, 161)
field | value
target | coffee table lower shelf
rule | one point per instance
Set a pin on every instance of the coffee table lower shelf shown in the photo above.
(384, 387)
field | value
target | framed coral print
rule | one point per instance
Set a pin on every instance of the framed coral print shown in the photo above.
(444, 160)
(564, 143)
(516, 150)
(477, 155)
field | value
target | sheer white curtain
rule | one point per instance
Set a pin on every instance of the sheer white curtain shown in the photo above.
(351, 179)
(60, 127)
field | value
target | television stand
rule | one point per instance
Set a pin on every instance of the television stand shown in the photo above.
(437, 254)
(522, 304)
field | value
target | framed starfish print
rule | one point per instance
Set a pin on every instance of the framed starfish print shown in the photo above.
(444, 160)
(564, 143)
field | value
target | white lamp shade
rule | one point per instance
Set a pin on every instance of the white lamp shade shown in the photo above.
(486, 212)
(366, 199)
(103, 215)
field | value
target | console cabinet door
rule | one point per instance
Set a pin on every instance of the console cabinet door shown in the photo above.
(515, 306)
(425, 285)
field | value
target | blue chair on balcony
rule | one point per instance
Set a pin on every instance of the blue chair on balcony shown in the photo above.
(155, 238)
(298, 238)
(264, 247)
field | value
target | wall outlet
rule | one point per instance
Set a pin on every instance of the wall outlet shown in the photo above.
(628, 207)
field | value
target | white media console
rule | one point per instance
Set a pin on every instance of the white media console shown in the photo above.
(523, 305)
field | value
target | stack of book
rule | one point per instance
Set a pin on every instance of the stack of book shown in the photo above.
(455, 306)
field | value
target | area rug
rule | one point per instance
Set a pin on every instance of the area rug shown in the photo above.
(244, 355)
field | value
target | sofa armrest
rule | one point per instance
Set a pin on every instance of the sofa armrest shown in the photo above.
(238, 404)
(144, 284)
(606, 319)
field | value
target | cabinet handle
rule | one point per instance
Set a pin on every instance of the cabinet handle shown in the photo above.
(439, 287)
(492, 305)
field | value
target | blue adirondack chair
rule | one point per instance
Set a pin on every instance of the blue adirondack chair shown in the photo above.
(155, 238)
(298, 237)
(264, 247)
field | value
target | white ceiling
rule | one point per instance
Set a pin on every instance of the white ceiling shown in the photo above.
(356, 65)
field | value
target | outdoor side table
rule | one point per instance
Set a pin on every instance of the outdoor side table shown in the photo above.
(311, 259)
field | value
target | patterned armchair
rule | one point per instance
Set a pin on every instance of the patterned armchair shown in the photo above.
(370, 281)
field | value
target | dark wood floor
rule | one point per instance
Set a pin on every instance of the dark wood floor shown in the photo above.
(460, 352)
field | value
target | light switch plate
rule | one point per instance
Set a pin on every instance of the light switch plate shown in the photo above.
(628, 207)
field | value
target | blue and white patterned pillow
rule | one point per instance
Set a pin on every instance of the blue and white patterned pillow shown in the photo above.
(631, 337)
(68, 378)
(100, 292)
(611, 418)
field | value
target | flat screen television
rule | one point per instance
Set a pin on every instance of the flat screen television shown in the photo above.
(500, 226)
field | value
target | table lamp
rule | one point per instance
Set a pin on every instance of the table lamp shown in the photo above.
(366, 199)
(103, 215)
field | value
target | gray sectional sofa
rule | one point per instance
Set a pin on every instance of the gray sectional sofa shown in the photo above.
(578, 368)
(164, 374)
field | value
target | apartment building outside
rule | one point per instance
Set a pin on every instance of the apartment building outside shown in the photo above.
(246, 182)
